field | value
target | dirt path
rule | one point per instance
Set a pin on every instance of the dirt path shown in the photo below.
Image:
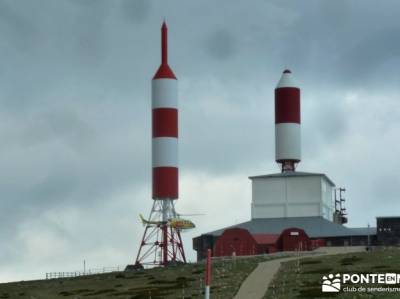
(256, 284)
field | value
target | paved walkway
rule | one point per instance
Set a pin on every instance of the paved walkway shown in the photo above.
(256, 284)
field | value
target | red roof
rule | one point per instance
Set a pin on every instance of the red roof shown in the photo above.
(265, 238)
(164, 72)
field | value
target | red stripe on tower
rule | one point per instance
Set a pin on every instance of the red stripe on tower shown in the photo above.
(287, 105)
(165, 122)
(165, 182)
(165, 127)
(287, 122)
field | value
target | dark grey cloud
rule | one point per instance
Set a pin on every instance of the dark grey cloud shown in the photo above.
(220, 44)
(137, 11)
(89, 33)
(18, 28)
(325, 121)
(327, 36)
(75, 114)
(385, 186)
(370, 53)
(88, 3)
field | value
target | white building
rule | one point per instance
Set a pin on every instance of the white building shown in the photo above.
(292, 194)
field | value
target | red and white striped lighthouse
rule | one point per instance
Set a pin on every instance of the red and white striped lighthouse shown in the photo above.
(287, 123)
(162, 243)
(165, 127)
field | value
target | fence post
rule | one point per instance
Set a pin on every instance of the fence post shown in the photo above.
(208, 274)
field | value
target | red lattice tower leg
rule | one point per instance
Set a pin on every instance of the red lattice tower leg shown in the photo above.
(161, 244)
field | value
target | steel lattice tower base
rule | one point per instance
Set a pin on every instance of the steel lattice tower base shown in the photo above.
(161, 244)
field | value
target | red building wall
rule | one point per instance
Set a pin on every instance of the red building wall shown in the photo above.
(241, 242)
(266, 242)
(236, 240)
(268, 248)
(293, 239)
(317, 243)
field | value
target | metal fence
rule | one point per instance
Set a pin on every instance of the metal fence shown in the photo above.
(51, 275)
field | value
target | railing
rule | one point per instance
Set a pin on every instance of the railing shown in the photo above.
(51, 275)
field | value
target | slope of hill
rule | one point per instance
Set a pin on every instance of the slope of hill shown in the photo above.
(302, 279)
(184, 281)
(298, 278)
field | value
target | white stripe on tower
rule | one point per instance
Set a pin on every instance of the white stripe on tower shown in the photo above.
(288, 138)
(165, 127)
(165, 152)
(164, 93)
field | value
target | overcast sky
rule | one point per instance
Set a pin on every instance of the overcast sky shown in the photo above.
(75, 108)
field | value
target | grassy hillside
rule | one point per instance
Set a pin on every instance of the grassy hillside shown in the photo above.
(295, 279)
(303, 279)
(185, 281)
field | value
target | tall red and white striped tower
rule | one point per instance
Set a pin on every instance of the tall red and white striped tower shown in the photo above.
(161, 244)
(287, 123)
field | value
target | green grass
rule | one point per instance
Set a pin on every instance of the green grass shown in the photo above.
(303, 279)
(183, 281)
